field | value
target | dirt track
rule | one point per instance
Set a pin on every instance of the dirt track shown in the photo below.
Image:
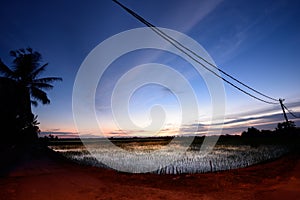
(46, 177)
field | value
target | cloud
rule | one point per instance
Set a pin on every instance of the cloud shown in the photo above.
(187, 14)
(52, 130)
(295, 105)
(59, 134)
(236, 126)
(266, 118)
(247, 26)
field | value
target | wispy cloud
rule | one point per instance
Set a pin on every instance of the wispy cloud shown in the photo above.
(261, 119)
(233, 37)
(52, 130)
(59, 134)
(187, 14)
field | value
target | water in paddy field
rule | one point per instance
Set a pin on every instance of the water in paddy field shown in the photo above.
(222, 157)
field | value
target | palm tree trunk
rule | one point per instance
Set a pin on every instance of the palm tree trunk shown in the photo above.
(28, 102)
(25, 103)
(27, 132)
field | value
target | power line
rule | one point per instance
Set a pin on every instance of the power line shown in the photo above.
(290, 112)
(179, 46)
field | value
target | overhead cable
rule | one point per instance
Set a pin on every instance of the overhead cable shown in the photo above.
(183, 49)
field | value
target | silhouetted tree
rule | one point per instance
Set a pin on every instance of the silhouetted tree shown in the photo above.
(285, 125)
(251, 132)
(286, 128)
(29, 128)
(25, 72)
(51, 137)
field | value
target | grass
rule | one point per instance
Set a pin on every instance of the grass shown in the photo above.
(230, 152)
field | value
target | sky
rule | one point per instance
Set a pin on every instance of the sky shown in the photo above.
(255, 41)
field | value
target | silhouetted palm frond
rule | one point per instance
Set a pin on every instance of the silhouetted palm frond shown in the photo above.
(45, 86)
(6, 71)
(39, 95)
(47, 80)
(25, 70)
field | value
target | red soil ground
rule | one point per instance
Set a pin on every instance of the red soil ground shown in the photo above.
(48, 177)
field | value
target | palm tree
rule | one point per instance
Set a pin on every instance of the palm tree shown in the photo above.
(25, 73)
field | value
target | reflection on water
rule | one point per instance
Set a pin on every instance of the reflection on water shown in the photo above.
(223, 157)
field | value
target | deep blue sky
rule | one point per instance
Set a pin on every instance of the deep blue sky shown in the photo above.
(255, 41)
